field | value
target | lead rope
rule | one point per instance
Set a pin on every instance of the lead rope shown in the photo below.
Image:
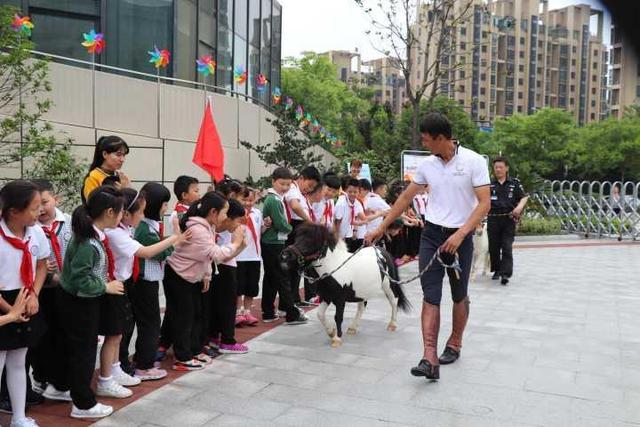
(455, 265)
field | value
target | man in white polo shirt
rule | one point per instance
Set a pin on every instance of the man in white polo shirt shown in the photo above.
(459, 199)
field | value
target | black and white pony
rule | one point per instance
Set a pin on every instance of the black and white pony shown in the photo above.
(363, 276)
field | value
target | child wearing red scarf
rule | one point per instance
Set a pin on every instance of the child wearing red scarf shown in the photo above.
(24, 251)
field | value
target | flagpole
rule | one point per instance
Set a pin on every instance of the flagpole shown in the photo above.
(158, 99)
(93, 89)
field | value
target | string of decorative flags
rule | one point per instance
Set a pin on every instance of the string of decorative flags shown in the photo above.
(95, 43)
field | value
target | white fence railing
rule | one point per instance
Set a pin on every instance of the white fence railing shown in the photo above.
(594, 208)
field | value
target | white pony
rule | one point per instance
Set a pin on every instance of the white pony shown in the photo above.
(344, 277)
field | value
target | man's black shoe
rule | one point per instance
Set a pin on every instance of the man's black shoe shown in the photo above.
(426, 369)
(303, 304)
(5, 406)
(504, 281)
(496, 275)
(449, 356)
(34, 398)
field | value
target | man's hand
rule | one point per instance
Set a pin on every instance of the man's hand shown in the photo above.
(373, 236)
(516, 213)
(453, 242)
(52, 266)
(205, 285)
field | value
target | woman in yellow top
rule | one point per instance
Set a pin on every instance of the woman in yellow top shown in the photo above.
(108, 159)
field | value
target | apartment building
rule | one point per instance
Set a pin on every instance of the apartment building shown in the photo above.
(625, 74)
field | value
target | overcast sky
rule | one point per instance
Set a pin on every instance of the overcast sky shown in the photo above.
(321, 25)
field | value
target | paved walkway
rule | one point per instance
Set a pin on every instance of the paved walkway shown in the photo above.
(558, 347)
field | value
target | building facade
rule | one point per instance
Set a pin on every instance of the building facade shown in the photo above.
(243, 33)
(625, 74)
(504, 57)
(387, 81)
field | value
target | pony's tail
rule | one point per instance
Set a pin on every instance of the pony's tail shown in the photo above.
(398, 292)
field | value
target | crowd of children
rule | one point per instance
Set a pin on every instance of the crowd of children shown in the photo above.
(67, 280)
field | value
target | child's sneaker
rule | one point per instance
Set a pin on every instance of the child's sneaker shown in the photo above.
(112, 389)
(270, 319)
(191, 365)
(53, 393)
(214, 343)
(24, 422)
(236, 348)
(282, 313)
(125, 379)
(250, 320)
(240, 320)
(151, 374)
(301, 319)
(38, 387)
(98, 411)
(203, 358)
(161, 353)
(210, 351)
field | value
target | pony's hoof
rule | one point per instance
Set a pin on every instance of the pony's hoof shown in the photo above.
(331, 333)
(351, 331)
(336, 342)
(392, 327)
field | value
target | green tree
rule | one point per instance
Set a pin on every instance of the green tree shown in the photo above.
(293, 149)
(26, 140)
(311, 81)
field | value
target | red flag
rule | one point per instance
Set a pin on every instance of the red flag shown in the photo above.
(209, 154)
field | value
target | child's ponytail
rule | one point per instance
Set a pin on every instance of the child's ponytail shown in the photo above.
(101, 199)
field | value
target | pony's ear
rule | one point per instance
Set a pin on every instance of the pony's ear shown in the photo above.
(331, 238)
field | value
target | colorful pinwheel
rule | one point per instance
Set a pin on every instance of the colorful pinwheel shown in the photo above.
(261, 82)
(315, 127)
(206, 65)
(94, 42)
(299, 112)
(288, 103)
(240, 75)
(277, 95)
(159, 58)
(22, 24)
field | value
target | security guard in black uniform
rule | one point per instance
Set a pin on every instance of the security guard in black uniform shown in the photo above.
(508, 199)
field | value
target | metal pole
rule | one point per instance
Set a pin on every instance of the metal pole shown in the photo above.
(158, 100)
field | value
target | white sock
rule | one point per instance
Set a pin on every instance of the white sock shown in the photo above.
(104, 381)
(116, 369)
(17, 381)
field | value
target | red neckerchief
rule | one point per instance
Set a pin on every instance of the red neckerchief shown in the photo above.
(161, 230)
(252, 229)
(328, 212)
(312, 214)
(26, 266)
(55, 243)
(287, 211)
(111, 266)
(181, 208)
(135, 273)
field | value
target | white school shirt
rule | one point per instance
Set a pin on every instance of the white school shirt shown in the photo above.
(63, 232)
(294, 193)
(252, 251)
(325, 213)
(124, 247)
(224, 238)
(346, 212)
(373, 202)
(11, 258)
(452, 186)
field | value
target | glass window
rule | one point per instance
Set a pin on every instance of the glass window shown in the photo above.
(207, 21)
(254, 23)
(254, 70)
(276, 24)
(225, 13)
(133, 29)
(240, 60)
(240, 15)
(61, 35)
(184, 56)
(87, 7)
(275, 74)
(224, 68)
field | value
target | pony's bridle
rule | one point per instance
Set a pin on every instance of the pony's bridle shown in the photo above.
(304, 260)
